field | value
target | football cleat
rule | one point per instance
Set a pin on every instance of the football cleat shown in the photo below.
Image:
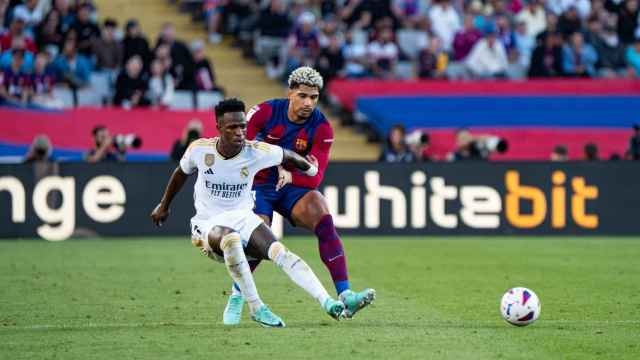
(233, 311)
(356, 301)
(266, 318)
(334, 308)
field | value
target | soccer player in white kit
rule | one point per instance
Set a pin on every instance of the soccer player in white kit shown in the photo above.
(225, 226)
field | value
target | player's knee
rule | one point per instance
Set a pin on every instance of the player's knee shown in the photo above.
(230, 240)
(276, 250)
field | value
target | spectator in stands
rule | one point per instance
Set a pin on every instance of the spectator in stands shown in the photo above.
(582, 7)
(634, 143)
(205, 74)
(591, 152)
(86, 31)
(273, 27)
(578, 58)
(433, 61)
(239, 14)
(331, 60)
(103, 149)
(182, 64)
(161, 85)
(410, 13)
(516, 70)
(628, 21)
(213, 10)
(30, 12)
(611, 62)
(355, 55)
(552, 28)
(67, 16)
(569, 22)
(383, 54)
(73, 68)
(559, 153)
(465, 39)
(18, 45)
(16, 30)
(135, 43)
(524, 44)
(633, 56)
(361, 14)
(39, 151)
(445, 22)
(14, 83)
(396, 150)
(191, 132)
(41, 82)
(4, 11)
(303, 44)
(131, 85)
(108, 51)
(533, 17)
(546, 60)
(49, 32)
(488, 58)
(505, 33)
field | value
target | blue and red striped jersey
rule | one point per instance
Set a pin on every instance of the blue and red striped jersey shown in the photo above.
(269, 122)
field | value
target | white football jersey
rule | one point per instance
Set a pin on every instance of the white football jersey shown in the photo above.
(225, 184)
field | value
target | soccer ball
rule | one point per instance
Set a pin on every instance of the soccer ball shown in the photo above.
(520, 306)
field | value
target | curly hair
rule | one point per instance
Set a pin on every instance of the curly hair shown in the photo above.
(229, 105)
(305, 76)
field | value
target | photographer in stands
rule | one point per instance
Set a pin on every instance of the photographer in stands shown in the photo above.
(396, 149)
(103, 147)
(476, 147)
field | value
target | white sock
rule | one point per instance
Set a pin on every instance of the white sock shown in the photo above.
(298, 271)
(235, 291)
(238, 266)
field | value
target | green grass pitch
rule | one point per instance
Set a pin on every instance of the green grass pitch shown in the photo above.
(437, 298)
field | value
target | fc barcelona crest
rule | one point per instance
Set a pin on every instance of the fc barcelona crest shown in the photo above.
(209, 159)
(301, 144)
(244, 172)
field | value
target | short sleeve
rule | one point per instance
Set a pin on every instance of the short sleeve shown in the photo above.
(187, 164)
(267, 155)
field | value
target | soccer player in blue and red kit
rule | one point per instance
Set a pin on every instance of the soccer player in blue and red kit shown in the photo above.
(296, 124)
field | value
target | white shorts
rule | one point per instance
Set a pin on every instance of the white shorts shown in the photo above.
(244, 222)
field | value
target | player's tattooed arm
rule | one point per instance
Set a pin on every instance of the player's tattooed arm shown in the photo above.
(308, 166)
(161, 212)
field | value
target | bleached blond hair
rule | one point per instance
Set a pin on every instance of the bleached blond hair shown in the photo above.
(305, 76)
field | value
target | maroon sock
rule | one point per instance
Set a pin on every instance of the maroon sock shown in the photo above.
(331, 253)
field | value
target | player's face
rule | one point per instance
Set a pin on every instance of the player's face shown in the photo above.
(303, 100)
(233, 128)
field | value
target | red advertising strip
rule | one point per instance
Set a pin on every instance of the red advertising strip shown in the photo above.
(72, 129)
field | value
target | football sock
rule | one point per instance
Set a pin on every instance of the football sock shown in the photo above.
(238, 267)
(332, 254)
(235, 289)
(298, 271)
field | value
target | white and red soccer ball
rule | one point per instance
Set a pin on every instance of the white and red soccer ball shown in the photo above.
(520, 306)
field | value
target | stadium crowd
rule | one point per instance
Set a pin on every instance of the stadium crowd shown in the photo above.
(48, 43)
(452, 39)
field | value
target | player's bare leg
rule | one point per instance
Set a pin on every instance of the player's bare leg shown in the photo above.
(312, 212)
(227, 242)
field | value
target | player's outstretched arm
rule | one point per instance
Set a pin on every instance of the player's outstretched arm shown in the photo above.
(307, 166)
(161, 212)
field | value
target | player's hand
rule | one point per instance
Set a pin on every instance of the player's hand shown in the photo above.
(159, 215)
(284, 178)
(313, 160)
